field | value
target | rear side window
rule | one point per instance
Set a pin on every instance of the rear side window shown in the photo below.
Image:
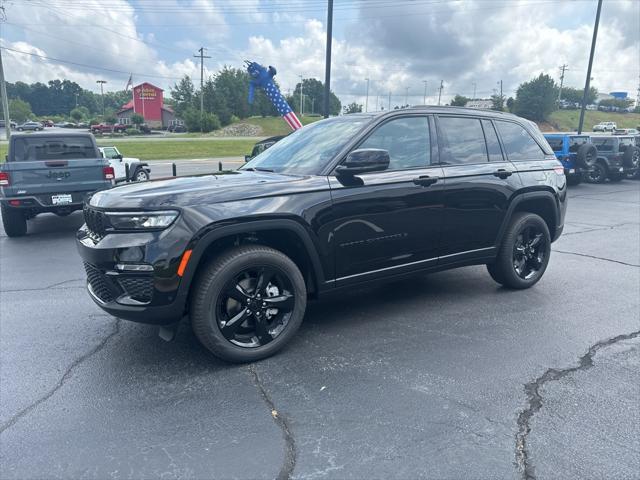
(555, 143)
(493, 145)
(36, 147)
(462, 141)
(625, 142)
(519, 145)
(406, 140)
(603, 144)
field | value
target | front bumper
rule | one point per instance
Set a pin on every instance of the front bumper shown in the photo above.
(153, 296)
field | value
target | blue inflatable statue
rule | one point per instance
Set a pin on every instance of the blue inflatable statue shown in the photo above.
(263, 78)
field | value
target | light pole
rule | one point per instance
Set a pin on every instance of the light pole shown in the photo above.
(102, 82)
(366, 101)
(406, 96)
(424, 97)
(301, 97)
(76, 94)
(474, 91)
(588, 80)
(440, 91)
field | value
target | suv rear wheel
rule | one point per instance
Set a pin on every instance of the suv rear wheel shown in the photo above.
(597, 174)
(13, 221)
(248, 303)
(524, 254)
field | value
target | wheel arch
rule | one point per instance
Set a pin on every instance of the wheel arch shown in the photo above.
(285, 235)
(542, 203)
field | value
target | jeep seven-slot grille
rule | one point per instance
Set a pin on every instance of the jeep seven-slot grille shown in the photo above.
(96, 222)
(99, 285)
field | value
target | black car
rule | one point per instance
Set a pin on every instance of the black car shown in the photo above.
(618, 157)
(343, 202)
(262, 145)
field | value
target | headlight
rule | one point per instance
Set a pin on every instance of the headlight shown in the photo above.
(142, 220)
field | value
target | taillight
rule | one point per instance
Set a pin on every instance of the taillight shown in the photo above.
(559, 170)
(108, 172)
(4, 178)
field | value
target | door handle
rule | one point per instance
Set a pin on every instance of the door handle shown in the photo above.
(425, 180)
(502, 173)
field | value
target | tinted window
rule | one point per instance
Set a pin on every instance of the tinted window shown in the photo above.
(603, 144)
(463, 140)
(625, 142)
(309, 149)
(493, 146)
(406, 140)
(576, 142)
(555, 143)
(518, 144)
(38, 147)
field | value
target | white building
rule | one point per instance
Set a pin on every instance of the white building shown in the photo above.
(479, 104)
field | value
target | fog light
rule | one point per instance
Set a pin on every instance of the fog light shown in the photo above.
(131, 254)
(134, 267)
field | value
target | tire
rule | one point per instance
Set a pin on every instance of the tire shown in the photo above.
(524, 253)
(233, 278)
(13, 221)
(631, 157)
(141, 175)
(617, 177)
(20, 129)
(597, 174)
(573, 180)
(586, 155)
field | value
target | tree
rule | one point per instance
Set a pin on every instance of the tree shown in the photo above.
(510, 103)
(110, 120)
(621, 103)
(574, 95)
(137, 120)
(209, 122)
(19, 110)
(77, 114)
(353, 108)
(536, 99)
(497, 102)
(313, 91)
(459, 101)
(183, 95)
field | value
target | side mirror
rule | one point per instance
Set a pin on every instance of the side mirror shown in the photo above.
(364, 160)
(119, 156)
(247, 158)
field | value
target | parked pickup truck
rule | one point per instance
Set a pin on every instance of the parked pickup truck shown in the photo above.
(138, 171)
(49, 172)
(105, 128)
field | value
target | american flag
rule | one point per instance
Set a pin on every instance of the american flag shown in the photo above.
(282, 106)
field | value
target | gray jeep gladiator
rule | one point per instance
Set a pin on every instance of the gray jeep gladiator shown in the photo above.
(49, 172)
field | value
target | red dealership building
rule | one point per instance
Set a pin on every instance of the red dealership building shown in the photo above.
(148, 101)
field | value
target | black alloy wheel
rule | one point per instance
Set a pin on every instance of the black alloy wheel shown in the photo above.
(247, 303)
(255, 306)
(529, 252)
(597, 174)
(524, 252)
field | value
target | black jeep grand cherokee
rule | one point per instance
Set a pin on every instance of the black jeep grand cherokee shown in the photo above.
(344, 201)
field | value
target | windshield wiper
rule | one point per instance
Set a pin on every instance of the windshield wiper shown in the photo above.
(257, 169)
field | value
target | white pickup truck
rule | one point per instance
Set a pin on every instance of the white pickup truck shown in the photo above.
(138, 171)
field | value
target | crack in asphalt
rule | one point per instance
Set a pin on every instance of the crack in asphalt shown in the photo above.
(63, 379)
(598, 229)
(290, 453)
(597, 258)
(53, 286)
(535, 401)
(597, 194)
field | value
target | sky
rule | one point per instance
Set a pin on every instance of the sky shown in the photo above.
(398, 45)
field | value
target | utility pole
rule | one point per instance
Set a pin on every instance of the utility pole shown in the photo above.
(301, 97)
(588, 79)
(406, 96)
(3, 85)
(563, 67)
(327, 62)
(440, 91)
(474, 91)
(202, 56)
(76, 94)
(102, 82)
(366, 100)
(424, 97)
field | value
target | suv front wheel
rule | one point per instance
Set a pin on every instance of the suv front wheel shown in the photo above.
(248, 303)
(524, 254)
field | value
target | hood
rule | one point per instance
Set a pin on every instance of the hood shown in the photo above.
(196, 190)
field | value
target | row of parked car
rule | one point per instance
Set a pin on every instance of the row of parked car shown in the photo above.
(596, 158)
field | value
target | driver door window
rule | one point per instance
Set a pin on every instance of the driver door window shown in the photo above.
(406, 140)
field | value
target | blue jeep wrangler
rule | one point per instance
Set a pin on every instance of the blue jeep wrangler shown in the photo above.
(576, 152)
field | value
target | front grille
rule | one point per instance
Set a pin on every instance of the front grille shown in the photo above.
(96, 222)
(138, 288)
(99, 284)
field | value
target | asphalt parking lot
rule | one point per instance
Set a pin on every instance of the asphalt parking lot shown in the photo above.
(441, 376)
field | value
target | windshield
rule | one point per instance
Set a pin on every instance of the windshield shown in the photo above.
(307, 151)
